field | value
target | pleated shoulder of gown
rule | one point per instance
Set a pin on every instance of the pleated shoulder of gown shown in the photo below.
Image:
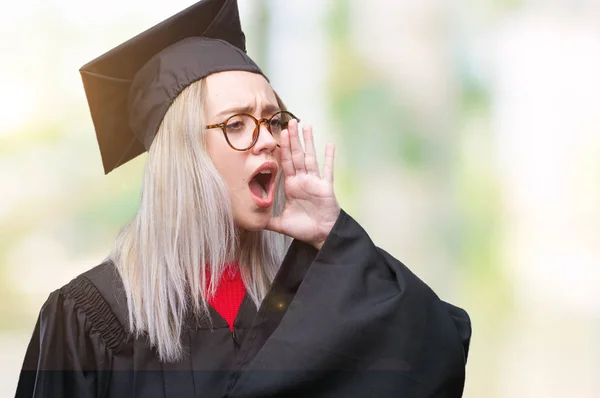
(99, 295)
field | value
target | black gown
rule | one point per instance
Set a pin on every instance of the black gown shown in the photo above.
(346, 321)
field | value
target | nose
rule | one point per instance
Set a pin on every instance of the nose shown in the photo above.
(265, 141)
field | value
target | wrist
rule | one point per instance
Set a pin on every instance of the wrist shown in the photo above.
(326, 230)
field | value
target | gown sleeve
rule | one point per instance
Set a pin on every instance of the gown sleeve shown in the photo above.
(59, 361)
(360, 324)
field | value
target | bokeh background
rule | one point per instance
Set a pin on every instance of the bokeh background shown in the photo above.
(468, 146)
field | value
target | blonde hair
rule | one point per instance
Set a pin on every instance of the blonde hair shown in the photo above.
(184, 227)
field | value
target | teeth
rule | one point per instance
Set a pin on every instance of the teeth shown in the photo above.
(265, 172)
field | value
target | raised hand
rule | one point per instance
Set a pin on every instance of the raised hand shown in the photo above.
(311, 208)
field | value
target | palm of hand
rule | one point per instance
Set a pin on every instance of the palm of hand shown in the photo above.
(311, 207)
(306, 198)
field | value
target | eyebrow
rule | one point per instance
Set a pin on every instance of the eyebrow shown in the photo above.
(267, 109)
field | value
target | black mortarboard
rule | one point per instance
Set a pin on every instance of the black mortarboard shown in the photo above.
(130, 88)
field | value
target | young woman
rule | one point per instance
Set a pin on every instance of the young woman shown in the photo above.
(240, 275)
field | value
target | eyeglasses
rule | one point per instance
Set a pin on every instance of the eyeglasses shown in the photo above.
(241, 131)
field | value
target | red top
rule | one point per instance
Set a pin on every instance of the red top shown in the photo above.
(230, 293)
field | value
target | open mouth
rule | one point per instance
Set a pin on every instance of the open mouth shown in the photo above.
(262, 184)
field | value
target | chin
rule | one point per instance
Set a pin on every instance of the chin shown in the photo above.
(253, 221)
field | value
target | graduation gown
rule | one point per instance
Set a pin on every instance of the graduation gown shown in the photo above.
(348, 320)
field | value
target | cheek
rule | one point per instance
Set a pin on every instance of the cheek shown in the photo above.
(213, 146)
(230, 168)
(228, 163)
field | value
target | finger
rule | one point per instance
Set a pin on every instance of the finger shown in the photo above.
(310, 157)
(287, 165)
(328, 167)
(296, 147)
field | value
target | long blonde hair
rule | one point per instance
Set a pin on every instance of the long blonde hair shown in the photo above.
(184, 227)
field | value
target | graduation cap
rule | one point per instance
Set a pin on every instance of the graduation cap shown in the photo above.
(130, 88)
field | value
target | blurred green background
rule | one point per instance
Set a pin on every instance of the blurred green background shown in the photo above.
(467, 146)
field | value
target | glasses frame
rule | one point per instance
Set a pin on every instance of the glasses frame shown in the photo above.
(255, 133)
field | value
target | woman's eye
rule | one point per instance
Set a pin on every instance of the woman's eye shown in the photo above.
(276, 124)
(234, 126)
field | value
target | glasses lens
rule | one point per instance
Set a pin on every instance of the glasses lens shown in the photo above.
(279, 122)
(239, 129)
